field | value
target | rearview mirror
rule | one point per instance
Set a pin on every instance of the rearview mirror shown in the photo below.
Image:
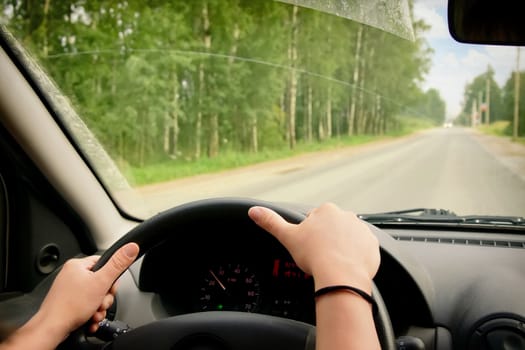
(487, 21)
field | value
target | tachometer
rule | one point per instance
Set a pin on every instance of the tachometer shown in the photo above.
(232, 287)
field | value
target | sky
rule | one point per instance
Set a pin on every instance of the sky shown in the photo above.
(454, 64)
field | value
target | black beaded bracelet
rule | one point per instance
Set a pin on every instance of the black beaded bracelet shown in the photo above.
(357, 291)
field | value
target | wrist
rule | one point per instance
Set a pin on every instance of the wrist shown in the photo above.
(346, 288)
(343, 275)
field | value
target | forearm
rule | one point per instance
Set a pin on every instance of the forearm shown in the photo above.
(37, 333)
(345, 322)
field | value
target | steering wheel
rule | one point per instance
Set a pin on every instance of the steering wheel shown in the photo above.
(221, 330)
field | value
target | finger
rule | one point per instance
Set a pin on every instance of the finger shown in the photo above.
(90, 261)
(98, 316)
(270, 221)
(113, 289)
(106, 302)
(118, 263)
(86, 262)
(93, 327)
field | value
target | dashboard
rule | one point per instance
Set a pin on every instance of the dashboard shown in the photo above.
(452, 289)
(447, 287)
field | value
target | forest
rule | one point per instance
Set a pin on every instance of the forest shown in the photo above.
(485, 102)
(162, 81)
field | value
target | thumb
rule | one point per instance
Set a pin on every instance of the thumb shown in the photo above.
(270, 221)
(119, 262)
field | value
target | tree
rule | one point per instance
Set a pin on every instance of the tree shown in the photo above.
(221, 76)
(431, 106)
(508, 102)
(476, 93)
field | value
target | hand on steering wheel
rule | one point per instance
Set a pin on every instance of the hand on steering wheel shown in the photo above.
(76, 295)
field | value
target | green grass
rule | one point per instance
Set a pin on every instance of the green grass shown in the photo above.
(179, 168)
(411, 124)
(499, 128)
(502, 128)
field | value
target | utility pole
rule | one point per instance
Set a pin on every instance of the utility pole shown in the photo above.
(516, 97)
(480, 106)
(474, 113)
(487, 98)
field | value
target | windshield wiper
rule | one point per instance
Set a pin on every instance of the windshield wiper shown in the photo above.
(496, 220)
(422, 211)
(429, 215)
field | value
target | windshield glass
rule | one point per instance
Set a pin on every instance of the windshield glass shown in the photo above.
(281, 102)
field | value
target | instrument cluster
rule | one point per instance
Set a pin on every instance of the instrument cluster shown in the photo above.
(279, 289)
(223, 277)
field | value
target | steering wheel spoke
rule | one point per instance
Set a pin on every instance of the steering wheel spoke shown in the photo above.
(220, 330)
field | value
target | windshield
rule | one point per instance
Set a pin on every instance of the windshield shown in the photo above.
(185, 100)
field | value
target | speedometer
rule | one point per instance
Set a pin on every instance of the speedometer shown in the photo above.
(232, 287)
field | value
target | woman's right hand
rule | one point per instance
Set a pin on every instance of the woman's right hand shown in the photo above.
(331, 244)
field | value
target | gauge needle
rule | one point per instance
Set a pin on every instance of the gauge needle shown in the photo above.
(218, 280)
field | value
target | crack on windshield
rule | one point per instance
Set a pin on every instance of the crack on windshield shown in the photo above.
(237, 58)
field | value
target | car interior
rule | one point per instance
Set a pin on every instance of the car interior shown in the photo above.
(441, 284)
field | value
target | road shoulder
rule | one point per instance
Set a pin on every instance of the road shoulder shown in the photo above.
(510, 154)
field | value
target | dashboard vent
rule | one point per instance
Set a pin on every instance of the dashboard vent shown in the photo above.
(507, 332)
(464, 241)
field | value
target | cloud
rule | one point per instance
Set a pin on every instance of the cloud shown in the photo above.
(476, 60)
(451, 60)
(503, 60)
(429, 14)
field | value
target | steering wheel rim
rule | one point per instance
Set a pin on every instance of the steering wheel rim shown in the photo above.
(200, 327)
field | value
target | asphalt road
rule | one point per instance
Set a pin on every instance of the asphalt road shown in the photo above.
(442, 168)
